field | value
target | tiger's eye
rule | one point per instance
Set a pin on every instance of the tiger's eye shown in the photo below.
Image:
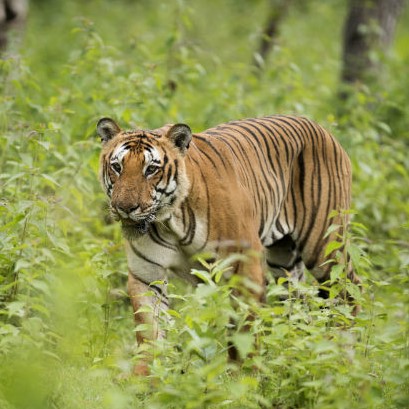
(150, 170)
(116, 167)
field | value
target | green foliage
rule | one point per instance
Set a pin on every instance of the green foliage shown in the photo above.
(66, 330)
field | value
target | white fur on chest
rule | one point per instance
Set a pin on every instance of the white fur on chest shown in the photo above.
(170, 248)
(190, 241)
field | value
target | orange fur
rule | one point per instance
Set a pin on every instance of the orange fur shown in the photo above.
(266, 184)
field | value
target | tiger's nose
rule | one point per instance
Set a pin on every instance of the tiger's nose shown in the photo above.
(125, 211)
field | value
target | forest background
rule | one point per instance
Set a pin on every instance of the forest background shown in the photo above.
(66, 330)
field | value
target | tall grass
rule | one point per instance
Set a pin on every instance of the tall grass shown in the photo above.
(66, 330)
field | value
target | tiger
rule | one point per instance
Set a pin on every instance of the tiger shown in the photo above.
(264, 184)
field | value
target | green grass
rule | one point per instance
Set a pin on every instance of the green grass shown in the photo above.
(66, 329)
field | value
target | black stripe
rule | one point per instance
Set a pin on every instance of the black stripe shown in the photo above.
(221, 138)
(231, 139)
(157, 289)
(210, 145)
(191, 230)
(261, 189)
(143, 257)
(155, 236)
(277, 152)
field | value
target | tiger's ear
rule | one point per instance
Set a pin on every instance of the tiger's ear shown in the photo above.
(180, 135)
(107, 128)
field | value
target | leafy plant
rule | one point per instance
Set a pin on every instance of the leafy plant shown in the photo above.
(66, 330)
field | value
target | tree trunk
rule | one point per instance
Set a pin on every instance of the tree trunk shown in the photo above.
(278, 10)
(369, 28)
(13, 13)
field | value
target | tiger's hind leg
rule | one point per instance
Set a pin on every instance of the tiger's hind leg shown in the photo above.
(284, 260)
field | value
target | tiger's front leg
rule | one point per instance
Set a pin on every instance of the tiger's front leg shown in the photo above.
(148, 301)
(148, 264)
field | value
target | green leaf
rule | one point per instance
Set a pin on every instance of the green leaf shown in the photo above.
(332, 246)
(143, 327)
(336, 272)
(50, 179)
(145, 308)
(354, 291)
(16, 309)
(158, 282)
(244, 343)
(173, 313)
(331, 229)
(333, 213)
(355, 253)
(41, 285)
(204, 276)
(334, 290)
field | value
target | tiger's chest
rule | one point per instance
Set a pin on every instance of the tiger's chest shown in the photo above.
(168, 245)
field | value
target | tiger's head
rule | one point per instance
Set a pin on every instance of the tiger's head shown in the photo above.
(143, 173)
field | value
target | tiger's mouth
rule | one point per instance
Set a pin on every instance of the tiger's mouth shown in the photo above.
(132, 229)
(141, 226)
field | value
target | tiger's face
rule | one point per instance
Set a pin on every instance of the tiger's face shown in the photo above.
(143, 173)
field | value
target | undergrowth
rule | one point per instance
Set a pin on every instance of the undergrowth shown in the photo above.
(66, 328)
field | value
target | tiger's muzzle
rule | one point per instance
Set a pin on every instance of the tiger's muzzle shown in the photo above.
(136, 227)
(134, 224)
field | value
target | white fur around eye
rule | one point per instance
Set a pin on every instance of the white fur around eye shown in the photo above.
(119, 154)
(152, 158)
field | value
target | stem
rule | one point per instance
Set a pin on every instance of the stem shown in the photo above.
(14, 290)
(370, 329)
(345, 253)
(107, 316)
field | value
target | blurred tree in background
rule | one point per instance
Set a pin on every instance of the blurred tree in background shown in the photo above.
(369, 30)
(368, 33)
(13, 14)
(278, 9)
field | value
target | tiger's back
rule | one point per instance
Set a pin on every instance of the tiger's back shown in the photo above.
(283, 175)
